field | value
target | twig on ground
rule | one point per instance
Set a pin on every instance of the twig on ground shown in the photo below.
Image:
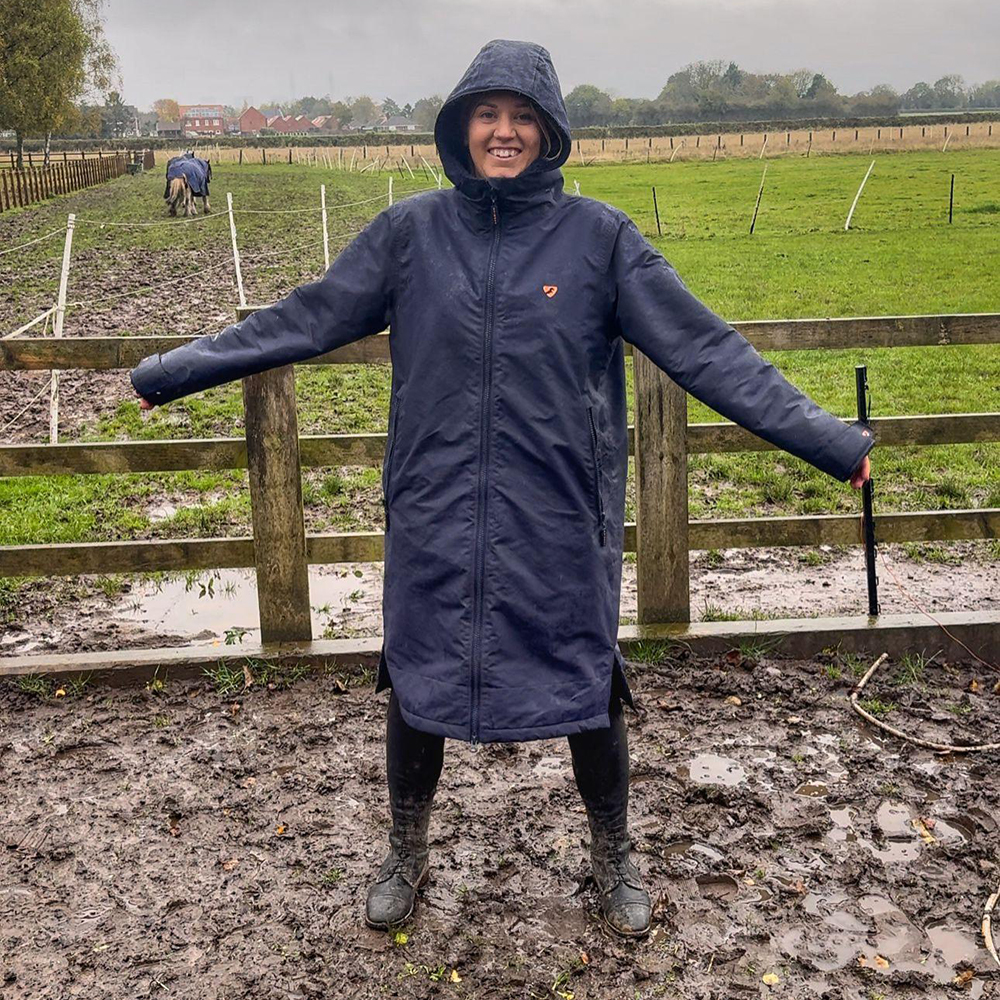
(941, 747)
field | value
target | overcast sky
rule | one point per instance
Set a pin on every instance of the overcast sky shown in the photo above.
(225, 51)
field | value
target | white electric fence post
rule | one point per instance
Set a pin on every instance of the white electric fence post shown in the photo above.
(58, 328)
(847, 224)
(236, 251)
(390, 189)
(326, 234)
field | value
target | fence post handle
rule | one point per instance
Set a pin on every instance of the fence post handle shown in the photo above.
(662, 577)
(275, 475)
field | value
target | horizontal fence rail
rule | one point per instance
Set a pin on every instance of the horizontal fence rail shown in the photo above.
(104, 353)
(141, 556)
(102, 457)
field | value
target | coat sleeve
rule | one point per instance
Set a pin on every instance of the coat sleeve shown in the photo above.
(701, 352)
(352, 300)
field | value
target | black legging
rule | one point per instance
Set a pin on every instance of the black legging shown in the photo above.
(600, 764)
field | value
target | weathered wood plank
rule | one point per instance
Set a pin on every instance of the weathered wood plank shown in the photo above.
(368, 449)
(106, 353)
(841, 529)
(661, 495)
(68, 559)
(275, 478)
(869, 331)
(798, 637)
(920, 429)
(103, 353)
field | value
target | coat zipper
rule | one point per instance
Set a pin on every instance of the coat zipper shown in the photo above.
(484, 440)
(597, 477)
(388, 462)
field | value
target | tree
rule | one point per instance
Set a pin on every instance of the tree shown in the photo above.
(167, 110)
(588, 105)
(117, 117)
(364, 110)
(425, 111)
(390, 107)
(919, 97)
(341, 113)
(949, 92)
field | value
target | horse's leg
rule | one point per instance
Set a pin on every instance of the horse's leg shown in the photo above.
(205, 207)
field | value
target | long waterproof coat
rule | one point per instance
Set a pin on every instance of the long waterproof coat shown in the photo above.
(508, 303)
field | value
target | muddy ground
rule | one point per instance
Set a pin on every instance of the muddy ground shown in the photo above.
(177, 843)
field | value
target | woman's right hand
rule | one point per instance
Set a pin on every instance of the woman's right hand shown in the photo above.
(144, 404)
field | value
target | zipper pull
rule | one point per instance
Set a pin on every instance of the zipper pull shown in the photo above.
(475, 745)
(493, 198)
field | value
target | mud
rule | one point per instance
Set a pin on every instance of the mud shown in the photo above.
(179, 844)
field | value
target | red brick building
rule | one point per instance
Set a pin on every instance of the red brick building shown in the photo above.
(252, 121)
(202, 119)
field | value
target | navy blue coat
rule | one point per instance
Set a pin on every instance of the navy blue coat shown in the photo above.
(196, 171)
(506, 456)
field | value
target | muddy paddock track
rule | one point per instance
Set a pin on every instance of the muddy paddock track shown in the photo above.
(177, 843)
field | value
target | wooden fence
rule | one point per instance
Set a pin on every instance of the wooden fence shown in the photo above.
(20, 188)
(661, 439)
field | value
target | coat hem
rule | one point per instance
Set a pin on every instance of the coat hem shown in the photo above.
(602, 720)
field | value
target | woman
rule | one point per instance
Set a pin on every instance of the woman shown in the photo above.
(506, 457)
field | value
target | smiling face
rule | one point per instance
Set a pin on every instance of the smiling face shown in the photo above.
(504, 134)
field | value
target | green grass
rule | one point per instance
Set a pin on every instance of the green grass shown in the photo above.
(901, 257)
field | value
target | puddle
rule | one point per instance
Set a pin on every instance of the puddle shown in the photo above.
(695, 849)
(815, 789)
(210, 603)
(713, 769)
(722, 887)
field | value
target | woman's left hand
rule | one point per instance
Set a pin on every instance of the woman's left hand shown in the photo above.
(861, 474)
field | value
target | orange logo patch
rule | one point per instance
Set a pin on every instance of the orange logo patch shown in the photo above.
(550, 290)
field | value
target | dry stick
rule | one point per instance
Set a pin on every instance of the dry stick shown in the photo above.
(946, 141)
(60, 316)
(354, 153)
(326, 234)
(677, 149)
(987, 926)
(656, 211)
(942, 747)
(763, 146)
(760, 191)
(236, 251)
(847, 224)
(408, 167)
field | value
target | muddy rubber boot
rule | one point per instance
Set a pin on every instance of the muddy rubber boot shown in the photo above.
(625, 904)
(393, 894)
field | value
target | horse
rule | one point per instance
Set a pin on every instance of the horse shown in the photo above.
(187, 179)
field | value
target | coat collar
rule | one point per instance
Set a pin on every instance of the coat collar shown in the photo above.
(516, 197)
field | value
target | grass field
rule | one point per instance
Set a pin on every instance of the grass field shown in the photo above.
(901, 257)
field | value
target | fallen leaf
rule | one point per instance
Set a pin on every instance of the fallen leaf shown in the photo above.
(584, 957)
(964, 977)
(921, 826)
(794, 720)
(876, 961)
(249, 782)
(234, 708)
(339, 686)
(61, 693)
(975, 686)
(770, 979)
(281, 829)
(247, 676)
(455, 977)
(734, 700)
(230, 864)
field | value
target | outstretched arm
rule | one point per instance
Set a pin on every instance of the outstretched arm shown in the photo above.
(352, 300)
(715, 363)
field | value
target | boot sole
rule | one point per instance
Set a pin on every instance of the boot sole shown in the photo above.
(382, 925)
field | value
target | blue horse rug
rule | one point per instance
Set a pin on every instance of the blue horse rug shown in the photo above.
(196, 171)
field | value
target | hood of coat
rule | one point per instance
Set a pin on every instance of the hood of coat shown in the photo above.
(505, 65)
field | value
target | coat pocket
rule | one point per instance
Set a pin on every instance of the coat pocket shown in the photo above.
(390, 447)
(598, 489)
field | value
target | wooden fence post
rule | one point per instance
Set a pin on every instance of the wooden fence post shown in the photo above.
(661, 488)
(279, 537)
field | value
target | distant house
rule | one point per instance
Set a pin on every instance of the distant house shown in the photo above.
(168, 130)
(326, 123)
(202, 119)
(252, 121)
(290, 124)
(376, 124)
(399, 123)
